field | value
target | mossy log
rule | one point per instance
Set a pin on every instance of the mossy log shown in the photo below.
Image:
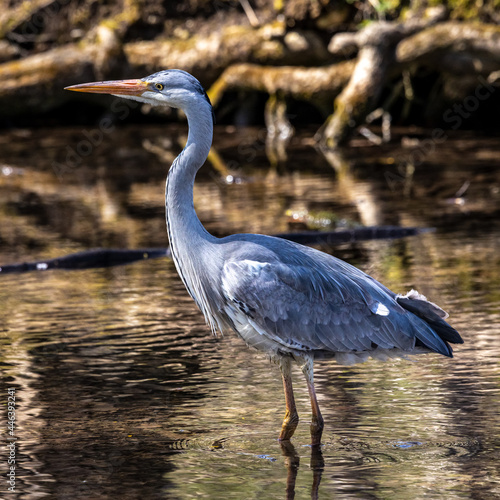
(210, 54)
(461, 47)
(272, 57)
(455, 36)
(383, 50)
(37, 81)
(102, 55)
(15, 15)
(300, 82)
(313, 84)
(376, 46)
(388, 48)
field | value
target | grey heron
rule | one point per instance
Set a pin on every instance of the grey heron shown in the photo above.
(293, 302)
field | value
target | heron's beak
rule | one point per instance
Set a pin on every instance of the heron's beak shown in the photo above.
(115, 87)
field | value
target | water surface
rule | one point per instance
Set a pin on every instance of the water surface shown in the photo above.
(123, 393)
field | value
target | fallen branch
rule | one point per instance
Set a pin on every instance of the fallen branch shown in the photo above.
(317, 85)
(29, 79)
(299, 82)
(453, 37)
(209, 55)
(376, 46)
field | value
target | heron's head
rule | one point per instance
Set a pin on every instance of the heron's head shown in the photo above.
(174, 88)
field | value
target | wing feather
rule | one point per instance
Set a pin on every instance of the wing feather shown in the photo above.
(320, 310)
(303, 299)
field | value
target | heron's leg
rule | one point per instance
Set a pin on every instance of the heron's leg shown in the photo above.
(291, 416)
(317, 422)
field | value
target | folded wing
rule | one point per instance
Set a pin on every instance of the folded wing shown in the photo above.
(324, 304)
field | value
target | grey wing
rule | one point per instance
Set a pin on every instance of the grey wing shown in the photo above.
(321, 308)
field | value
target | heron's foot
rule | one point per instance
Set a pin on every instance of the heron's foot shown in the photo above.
(289, 425)
(317, 426)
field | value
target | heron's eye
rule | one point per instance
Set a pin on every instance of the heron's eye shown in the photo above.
(158, 86)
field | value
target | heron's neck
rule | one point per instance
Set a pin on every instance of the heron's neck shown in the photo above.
(181, 216)
(190, 242)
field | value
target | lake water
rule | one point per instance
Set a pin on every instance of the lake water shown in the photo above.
(122, 392)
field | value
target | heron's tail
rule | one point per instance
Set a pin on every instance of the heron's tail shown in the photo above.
(434, 316)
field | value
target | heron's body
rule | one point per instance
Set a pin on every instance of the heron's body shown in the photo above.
(287, 300)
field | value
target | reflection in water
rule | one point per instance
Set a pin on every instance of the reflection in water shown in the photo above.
(292, 462)
(363, 195)
(122, 391)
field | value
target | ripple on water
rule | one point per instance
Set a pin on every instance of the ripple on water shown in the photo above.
(123, 393)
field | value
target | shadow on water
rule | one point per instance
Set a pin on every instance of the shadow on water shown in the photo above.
(121, 391)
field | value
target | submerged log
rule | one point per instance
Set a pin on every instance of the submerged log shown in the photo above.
(99, 257)
(109, 257)
(353, 235)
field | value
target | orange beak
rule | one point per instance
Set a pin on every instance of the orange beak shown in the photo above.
(116, 87)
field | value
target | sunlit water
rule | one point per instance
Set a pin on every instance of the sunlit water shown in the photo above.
(121, 390)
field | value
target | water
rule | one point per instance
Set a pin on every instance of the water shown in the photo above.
(122, 392)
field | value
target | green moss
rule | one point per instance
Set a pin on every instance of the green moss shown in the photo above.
(459, 9)
(279, 5)
(467, 9)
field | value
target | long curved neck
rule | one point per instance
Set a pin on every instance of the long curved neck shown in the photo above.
(190, 242)
(182, 221)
